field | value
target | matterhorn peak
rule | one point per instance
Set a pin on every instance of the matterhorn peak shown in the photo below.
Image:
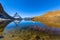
(16, 15)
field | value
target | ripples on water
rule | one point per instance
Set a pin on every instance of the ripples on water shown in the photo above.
(28, 30)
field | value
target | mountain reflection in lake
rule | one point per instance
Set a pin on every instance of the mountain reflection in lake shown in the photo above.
(29, 30)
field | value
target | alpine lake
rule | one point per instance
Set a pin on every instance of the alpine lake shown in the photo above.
(27, 30)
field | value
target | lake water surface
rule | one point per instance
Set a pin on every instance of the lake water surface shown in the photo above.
(28, 30)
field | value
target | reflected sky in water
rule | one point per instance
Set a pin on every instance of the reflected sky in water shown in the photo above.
(20, 24)
(17, 25)
(24, 28)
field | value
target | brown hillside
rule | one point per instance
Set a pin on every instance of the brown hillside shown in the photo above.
(51, 19)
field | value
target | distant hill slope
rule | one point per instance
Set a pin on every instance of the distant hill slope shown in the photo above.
(51, 19)
(3, 13)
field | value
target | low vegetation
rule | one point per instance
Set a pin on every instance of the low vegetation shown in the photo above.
(30, 35)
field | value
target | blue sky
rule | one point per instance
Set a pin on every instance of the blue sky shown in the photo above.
(30, 8)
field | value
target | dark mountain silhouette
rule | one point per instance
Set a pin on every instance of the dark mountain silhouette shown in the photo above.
(17, 17)
(3, 14)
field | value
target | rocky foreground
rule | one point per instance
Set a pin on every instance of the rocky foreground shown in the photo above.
(31, 34)
(51, 19)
